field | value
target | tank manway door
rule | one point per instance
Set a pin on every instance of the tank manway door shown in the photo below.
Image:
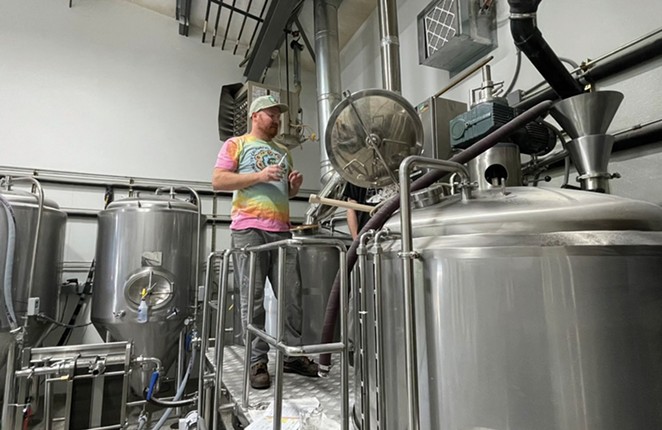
(369, 133)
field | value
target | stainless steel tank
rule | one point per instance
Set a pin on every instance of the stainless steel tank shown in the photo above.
(318, 267)
(146, 250)
(47, 265)
(536, 308)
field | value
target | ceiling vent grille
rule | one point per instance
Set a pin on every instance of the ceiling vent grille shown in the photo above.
(453, 34)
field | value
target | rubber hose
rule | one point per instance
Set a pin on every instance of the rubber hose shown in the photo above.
(178, 395)
(393, 204)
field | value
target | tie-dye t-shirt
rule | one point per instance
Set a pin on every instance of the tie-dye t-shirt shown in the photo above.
(264, 205)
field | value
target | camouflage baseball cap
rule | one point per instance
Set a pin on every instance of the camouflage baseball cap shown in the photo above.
(266, 102)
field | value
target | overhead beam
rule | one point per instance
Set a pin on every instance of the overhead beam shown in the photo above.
(270, 38)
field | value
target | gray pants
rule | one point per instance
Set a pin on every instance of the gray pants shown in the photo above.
(267, 267)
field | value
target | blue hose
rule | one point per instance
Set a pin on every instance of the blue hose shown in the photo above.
(152, 384)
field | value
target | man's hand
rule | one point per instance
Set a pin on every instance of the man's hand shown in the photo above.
(295, 179)
(271, 173)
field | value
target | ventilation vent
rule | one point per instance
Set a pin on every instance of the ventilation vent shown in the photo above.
(453, 34)
(233, 117)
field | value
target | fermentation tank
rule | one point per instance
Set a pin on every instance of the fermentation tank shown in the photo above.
(535, 308)
(46, 254)
(148, 250)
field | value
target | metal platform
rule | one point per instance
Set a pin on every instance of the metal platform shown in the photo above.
(326, 390)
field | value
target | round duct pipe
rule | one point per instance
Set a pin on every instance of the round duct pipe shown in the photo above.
(328, 73)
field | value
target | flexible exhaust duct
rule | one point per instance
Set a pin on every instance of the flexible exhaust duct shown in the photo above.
(529, 40)
(328, 74)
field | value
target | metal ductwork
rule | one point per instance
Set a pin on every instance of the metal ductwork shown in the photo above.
(328, 73)
(390, 45)
(530, 41)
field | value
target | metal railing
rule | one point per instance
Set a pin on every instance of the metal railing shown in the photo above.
(282, 349)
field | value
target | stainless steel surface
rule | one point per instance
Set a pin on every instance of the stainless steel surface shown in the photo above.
(328, 73)
(501, 162)
(588, 113)
(408, 256)
(435, 114)
(534, 309)
(318, 267)
(371, 132)
(390, 45)
(142, 240)
(590, 155)
(198, 240)
(41, 275)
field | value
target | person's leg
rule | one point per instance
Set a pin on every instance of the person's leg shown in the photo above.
(240, 239)
(291, 290)
(292, 295)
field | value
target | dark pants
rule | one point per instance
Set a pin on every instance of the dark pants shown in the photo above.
(267, 267)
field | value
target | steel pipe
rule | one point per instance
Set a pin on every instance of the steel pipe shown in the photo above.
(328, 73)
(390, 45)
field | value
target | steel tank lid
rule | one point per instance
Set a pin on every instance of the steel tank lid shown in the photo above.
(153, 201)
(531, 210)
(23, 198)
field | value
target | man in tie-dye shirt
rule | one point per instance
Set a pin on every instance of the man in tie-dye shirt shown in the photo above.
(259, 172)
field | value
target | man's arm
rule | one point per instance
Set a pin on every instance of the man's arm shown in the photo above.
(352, 221)
(226, 180)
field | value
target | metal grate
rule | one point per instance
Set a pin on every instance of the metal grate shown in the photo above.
(240, 20)
(439, 26)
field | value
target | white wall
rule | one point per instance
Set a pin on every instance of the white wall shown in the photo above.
(108, 87)
(577, 30)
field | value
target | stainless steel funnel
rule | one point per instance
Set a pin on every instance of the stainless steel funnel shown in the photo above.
(586, 118)
(590, 154)
(587, 114)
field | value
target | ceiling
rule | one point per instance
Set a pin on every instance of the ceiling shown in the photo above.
(235, 25)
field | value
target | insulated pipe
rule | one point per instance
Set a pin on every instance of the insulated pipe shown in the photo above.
(634, 54)
(37, 235)
(391, 205)
(638, 54)
(640, 135)
(529, 40)
(7, 279)
(328, 74)
(390, 45)
(626, 60)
